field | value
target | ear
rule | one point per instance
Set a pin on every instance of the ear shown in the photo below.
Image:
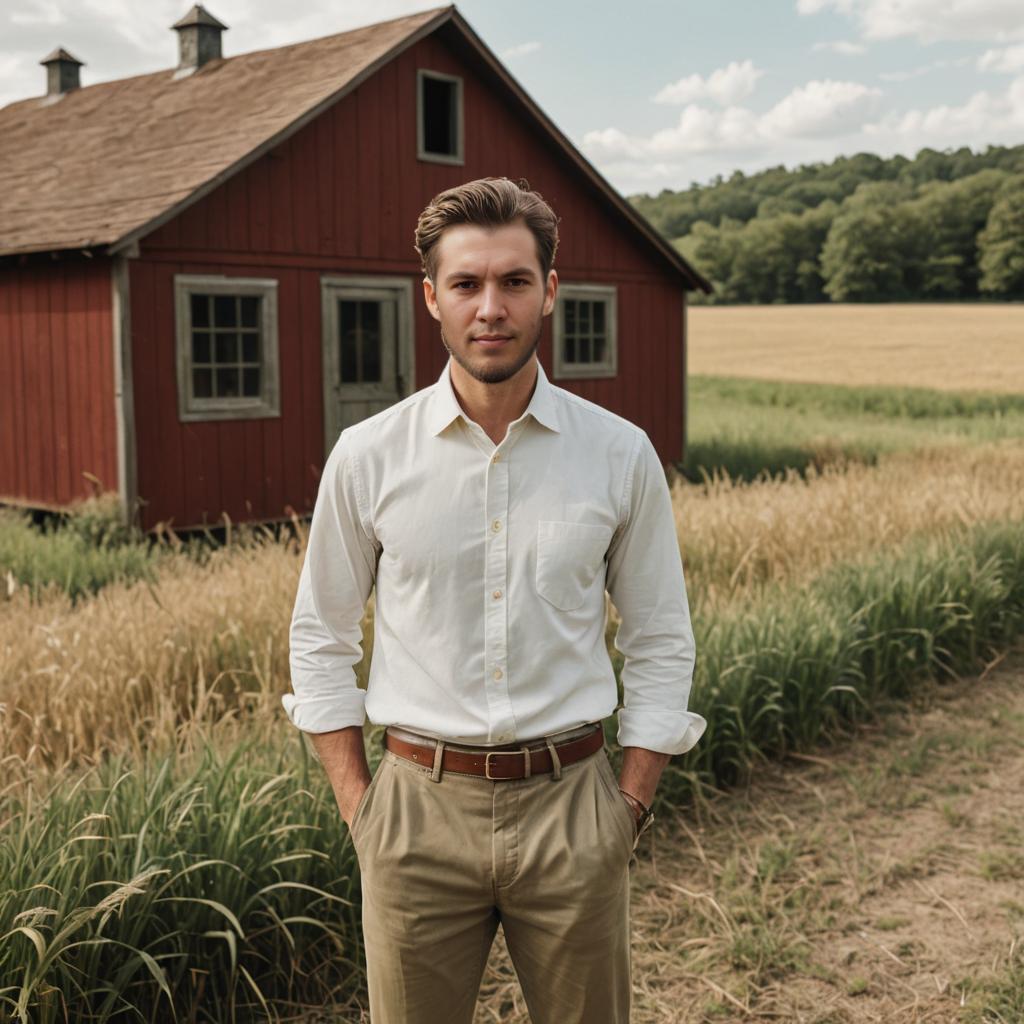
(550, 291)
(430, 298)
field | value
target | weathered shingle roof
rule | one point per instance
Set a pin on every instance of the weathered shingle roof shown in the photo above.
(106, 164)
(107, 160)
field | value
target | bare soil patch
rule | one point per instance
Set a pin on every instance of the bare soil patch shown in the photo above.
(881, 880)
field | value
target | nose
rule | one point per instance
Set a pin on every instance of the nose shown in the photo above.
(492, 305)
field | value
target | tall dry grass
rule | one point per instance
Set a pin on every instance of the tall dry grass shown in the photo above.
(139, 667)
(135, 667)
(736, 537)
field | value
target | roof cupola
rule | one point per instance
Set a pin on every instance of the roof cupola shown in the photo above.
(198, 39)
(61, 72)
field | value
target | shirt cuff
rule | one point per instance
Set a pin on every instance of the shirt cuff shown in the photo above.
(668, 732)
(325, 714)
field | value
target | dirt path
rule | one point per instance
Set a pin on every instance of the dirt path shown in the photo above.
(882, 881)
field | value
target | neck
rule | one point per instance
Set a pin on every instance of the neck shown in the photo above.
(494, 406)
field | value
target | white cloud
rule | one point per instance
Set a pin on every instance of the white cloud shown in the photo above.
(924, 69)
(816, 6)
(985, 118)
(813, 110)
(843, 46)
(520, 50)
(1008, 59)
(41, 12)
(700, 129)
(818, 108)
(725, 85)
(928, 20)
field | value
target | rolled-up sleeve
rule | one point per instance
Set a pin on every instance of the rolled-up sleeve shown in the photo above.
(646, 585)
(335, 582)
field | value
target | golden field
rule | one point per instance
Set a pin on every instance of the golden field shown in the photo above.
(950, 346)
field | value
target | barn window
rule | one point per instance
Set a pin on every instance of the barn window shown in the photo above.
(227, 347)
(439, 117)
(585, 331)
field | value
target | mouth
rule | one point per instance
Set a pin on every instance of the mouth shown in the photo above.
(492, 340)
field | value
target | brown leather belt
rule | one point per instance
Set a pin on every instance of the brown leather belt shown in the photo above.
(499, 763)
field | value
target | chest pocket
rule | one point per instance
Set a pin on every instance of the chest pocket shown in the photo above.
(569, 557)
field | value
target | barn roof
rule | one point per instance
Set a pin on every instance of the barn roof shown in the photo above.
(108, 163)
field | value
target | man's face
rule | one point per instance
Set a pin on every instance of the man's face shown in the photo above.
(490, 298)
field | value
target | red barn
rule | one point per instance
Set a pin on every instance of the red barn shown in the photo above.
(206, 273)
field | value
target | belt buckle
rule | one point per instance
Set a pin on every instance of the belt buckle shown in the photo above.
(498, 753)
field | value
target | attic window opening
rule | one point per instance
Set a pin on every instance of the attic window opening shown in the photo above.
(439, 117)
(227, 348)
(585, 331)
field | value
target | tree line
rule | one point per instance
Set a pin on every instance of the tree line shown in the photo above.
(942, 226)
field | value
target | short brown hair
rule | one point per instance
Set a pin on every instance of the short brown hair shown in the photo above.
(489, 202)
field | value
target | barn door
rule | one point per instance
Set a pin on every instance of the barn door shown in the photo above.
(367, 348)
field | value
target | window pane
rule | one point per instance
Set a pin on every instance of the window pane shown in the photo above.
(599, 317)
(370, 317)
(584, 353)
(439, 117)
(584, 318)
(251, 382)
(224, 311)
(250, 348)
(570, 316)
(200, 347)
(200, 310)
(227, 382)
(570, 349)
(250, 307)
(348, 341)
(202, 383)
(227, 348)
(599, 341)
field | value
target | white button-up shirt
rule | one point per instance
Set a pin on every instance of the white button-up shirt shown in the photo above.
(490, 565)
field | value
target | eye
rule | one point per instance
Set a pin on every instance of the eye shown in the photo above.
(465, 285)
(518, 282)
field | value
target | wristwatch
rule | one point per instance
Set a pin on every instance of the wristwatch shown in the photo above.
(644, 815)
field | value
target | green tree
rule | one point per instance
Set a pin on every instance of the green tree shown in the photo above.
(775, 206)
(876, 246)
(713, 250)
(1001, 243)
(955, 212)
(776, 260)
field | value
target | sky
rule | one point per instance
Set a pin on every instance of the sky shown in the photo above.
(657, 94)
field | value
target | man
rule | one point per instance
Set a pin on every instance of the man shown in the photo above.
(491, 510)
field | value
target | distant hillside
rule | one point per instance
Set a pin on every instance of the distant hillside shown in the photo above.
(945, 225)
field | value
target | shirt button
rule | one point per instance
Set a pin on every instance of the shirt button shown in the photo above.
(497, 673)
(496, 594)
(496, 457)
(496, 525)
(505, 737)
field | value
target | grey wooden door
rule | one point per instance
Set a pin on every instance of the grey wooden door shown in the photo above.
(367, 348)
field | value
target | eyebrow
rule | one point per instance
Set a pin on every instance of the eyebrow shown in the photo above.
(465, 275)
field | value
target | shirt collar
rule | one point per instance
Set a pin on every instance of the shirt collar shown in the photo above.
(445, 408)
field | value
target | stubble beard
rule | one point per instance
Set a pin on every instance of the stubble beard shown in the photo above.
(495, 375)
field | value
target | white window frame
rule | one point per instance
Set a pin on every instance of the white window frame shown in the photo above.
(460, 120)
(609, 367)
(268, 404)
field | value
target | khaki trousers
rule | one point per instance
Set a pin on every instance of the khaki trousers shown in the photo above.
(444, 862)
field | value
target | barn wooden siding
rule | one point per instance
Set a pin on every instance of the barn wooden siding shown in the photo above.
(342, 196)
(57, 416)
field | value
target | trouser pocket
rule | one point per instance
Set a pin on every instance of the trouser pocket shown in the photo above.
(362, 808)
